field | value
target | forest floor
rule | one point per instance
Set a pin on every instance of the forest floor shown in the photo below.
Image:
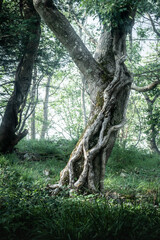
(129, 209)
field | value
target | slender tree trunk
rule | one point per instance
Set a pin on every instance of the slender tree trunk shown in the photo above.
(10, 122)
(109, 84)
(33, 104)
(153, 133)
(33, 125)
(45, 109)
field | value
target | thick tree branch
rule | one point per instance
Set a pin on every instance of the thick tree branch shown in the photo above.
(63, 30)
(145, 88)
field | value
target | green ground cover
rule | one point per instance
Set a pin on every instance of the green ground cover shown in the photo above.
(129, 208)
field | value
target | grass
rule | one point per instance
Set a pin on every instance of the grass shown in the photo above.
(130, 209)
(133, 172)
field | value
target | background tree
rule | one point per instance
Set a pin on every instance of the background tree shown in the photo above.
(45, 109)
(9, 135)
(143, 61)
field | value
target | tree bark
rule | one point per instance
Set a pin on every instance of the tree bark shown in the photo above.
(83, 103)
(33, 125)
(109, 84)
(33, 96)
(45, 109)
(9, 136)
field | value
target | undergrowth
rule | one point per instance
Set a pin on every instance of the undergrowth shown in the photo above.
(60, 148)
(129, 210)
(133, 171)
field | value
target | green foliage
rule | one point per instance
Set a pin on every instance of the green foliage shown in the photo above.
(114, 12)
(14, 31)
(132, 171)
(31, 214)
(51, 54)
(27, 211)
(121, 156)
(66, 103)
(150, 6)
(128, 158)
(57, 148)
(146, 73)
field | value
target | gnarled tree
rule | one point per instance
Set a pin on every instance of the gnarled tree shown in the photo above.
(9, 135)
(109, 83)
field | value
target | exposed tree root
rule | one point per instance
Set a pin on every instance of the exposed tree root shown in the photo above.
(100, 133)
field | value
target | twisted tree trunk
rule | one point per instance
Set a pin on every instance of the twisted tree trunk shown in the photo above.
(86, 166)
(11, 119)
(109, 84)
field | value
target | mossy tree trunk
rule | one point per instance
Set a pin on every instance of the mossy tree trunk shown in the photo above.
(109, 84)
(9, 135)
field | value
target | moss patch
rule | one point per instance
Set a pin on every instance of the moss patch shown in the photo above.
(99, 99)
